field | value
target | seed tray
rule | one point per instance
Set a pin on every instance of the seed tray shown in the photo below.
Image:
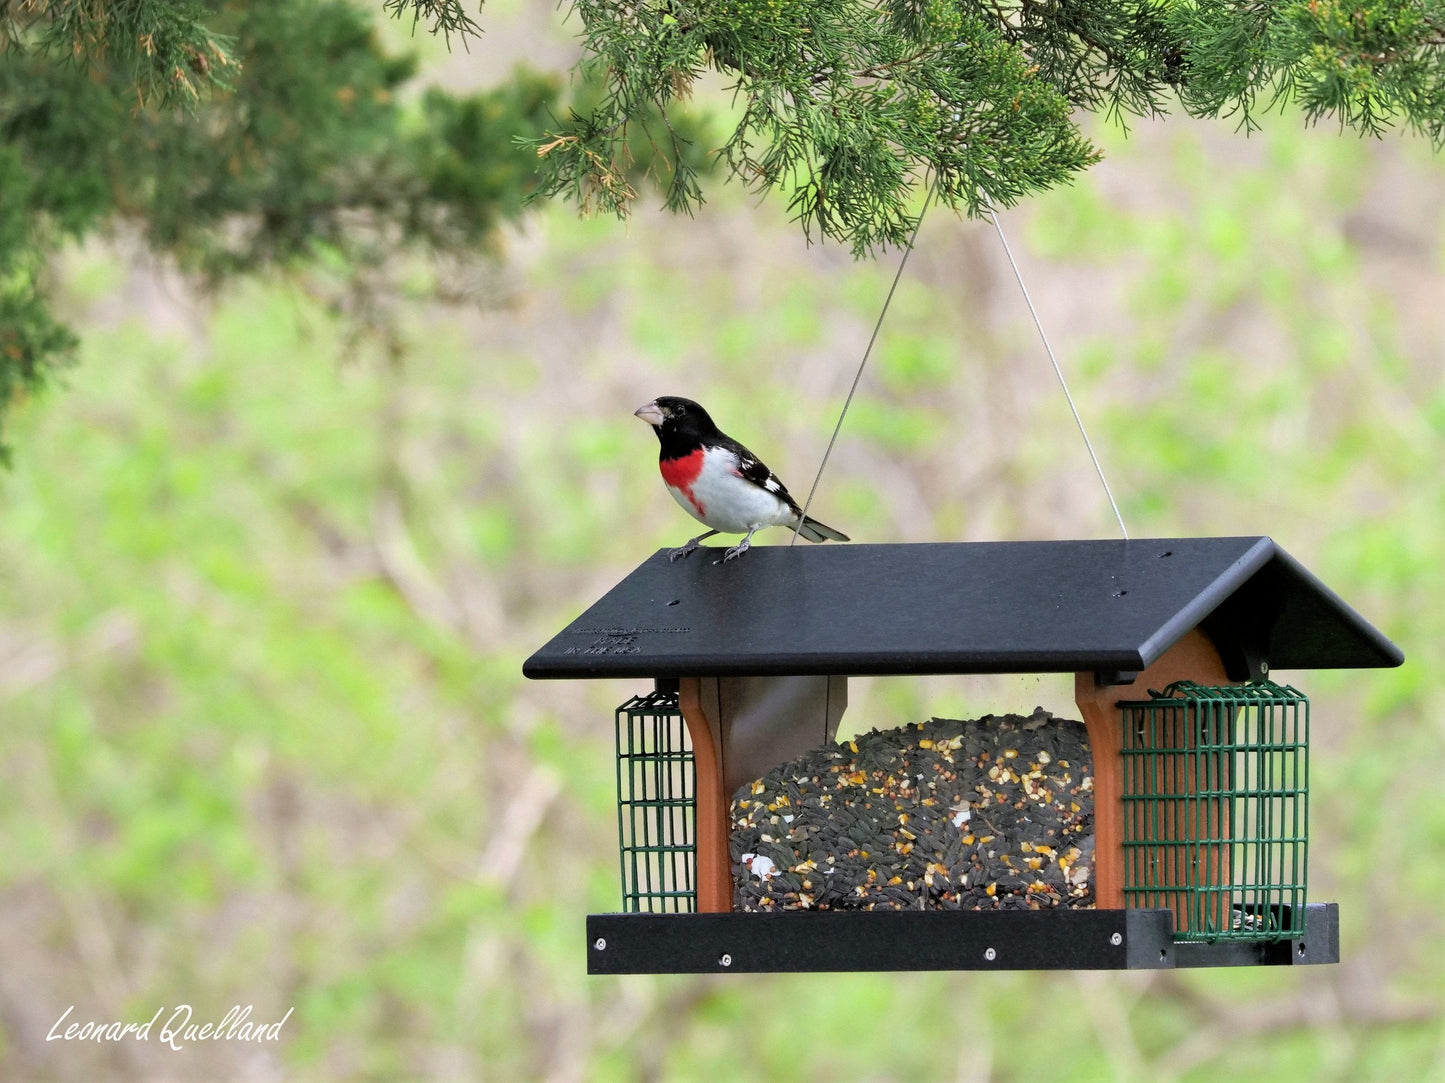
(1059, 939)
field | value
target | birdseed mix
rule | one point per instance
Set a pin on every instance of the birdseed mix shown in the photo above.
(996, 813)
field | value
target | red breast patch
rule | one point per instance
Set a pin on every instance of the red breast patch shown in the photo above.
(681, 472)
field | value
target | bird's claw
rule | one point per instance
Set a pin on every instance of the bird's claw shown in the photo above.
(736, 551)
(684, 550)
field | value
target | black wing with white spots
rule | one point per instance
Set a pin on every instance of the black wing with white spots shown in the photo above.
(753, 469)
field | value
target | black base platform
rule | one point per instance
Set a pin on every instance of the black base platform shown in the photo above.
(933, 940)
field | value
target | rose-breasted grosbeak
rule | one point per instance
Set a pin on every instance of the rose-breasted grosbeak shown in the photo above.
(719, 482)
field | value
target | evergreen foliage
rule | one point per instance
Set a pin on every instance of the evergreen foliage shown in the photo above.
(236, 139)
(849, 106)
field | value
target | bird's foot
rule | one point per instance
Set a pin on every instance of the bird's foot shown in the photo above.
(736, 551)
(684, 550)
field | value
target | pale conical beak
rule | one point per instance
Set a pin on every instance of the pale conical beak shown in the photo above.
(651, 413)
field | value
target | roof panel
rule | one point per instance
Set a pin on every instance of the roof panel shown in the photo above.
(959, 607)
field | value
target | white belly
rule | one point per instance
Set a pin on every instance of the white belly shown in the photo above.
(722, 501)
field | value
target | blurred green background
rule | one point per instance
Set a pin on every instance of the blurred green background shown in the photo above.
(266, 588)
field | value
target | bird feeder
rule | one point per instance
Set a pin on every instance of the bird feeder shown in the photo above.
(1200, 761)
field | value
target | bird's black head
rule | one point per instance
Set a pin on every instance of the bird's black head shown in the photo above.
(671, 416)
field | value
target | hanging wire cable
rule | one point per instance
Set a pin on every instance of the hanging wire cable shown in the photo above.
(1058, 372)
(857, 376)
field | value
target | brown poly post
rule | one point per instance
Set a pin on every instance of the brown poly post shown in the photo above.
(1192, 658)
(714, 863)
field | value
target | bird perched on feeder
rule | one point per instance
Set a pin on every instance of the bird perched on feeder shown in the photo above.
(719, 482)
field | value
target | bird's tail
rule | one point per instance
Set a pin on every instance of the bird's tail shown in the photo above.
(815, 531)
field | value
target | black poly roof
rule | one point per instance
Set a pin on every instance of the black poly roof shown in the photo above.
(962, 607)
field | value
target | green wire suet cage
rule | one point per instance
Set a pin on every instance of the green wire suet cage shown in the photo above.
(656, 806)
(1216, 808)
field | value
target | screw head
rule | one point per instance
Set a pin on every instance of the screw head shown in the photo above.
(990, 954)
(600, 943)
(724, 959)
(1116, 939)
